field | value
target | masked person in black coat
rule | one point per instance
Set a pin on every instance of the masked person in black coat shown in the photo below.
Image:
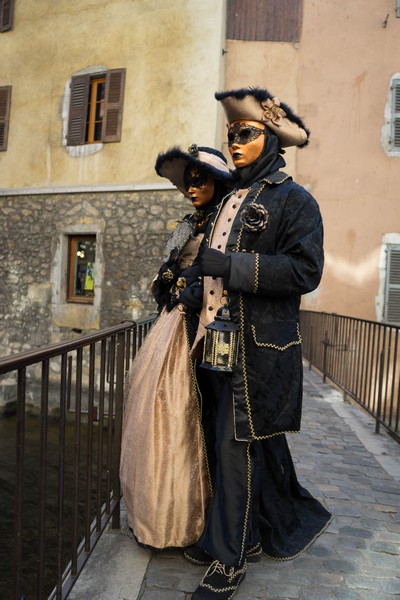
(264, 248)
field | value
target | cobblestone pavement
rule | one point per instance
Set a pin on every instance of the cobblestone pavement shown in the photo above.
(356, 474)
(341, 461)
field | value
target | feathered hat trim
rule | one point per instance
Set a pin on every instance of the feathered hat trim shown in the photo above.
(255, 104)
(172, 164)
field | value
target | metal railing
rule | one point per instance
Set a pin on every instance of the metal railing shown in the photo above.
(77, 387)
(361, 357)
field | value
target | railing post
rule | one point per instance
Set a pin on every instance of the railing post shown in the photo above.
(119, 400)
(20, 451)
(324, 355)
(379, 405)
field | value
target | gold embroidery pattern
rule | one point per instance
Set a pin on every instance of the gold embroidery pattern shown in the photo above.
(245, 382)
(256, 272)
(229, 572)
(275, 346)
(244, 370)
(246, 385)
(246, 517)
(196, 393)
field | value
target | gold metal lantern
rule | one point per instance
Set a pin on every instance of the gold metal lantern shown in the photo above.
(221, 342)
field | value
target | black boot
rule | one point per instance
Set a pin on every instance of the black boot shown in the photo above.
(220, 582)
(200, 557)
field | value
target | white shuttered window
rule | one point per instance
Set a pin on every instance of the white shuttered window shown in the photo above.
(395, 133)
(392, 291)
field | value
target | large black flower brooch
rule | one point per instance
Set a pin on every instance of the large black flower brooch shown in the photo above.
(254, 217)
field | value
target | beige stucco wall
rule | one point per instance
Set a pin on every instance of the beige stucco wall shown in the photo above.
(337, 79)
(343, 85)
(268, 65)
(172, 52)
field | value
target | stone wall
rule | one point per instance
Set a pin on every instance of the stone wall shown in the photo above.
(131, 230)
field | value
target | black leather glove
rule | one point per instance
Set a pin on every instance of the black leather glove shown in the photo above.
(213, 262)
(192, 274)
(192, 296)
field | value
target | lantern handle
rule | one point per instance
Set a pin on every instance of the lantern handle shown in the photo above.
(225, 297)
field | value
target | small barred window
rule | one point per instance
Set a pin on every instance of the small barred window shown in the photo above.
(395, 133)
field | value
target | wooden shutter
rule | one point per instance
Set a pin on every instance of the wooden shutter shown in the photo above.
(392, 299)
(396, 115)
(114, 96)
(5, 102)
(264, 20)
(78, 108)
(6, 14)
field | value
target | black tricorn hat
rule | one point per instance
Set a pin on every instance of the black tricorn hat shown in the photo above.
(255, 104)
(172, 164)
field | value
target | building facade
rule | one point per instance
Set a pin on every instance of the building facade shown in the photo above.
(338, 65)
(89, 97)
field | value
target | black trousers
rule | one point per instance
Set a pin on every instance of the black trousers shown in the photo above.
(232, 520)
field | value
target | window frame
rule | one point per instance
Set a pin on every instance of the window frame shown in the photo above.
(95, 82)
(73, 241)
(5, 107)
(6, 15)
(82, 110)
(395, 120)
(392, 285)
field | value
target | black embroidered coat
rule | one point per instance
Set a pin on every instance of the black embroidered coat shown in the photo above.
(270, 270)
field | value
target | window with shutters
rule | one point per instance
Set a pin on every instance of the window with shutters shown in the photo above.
(5, 102)
(96, 106)
(395, 125)
(392, 288)
(6, 15)
(264, 20)
(81, 268)
(397, 8)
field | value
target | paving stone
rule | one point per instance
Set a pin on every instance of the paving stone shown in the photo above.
(393, 587)
(320, 594)
(367, 583)
(386, 548)
(355, 532)
(340, 566)
(385, 561)
(346, 594)
(162, 594)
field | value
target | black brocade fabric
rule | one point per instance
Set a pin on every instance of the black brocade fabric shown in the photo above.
(289, 517)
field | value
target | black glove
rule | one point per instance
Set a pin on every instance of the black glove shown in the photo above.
(213, 262)
(167, 275)
(192, 274)
(191, 297)
(168, 272)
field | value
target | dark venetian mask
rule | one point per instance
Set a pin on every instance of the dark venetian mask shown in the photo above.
(243, 133)
(194, 178)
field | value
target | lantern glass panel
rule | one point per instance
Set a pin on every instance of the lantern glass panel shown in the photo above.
(208, 347)
(223, 348)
